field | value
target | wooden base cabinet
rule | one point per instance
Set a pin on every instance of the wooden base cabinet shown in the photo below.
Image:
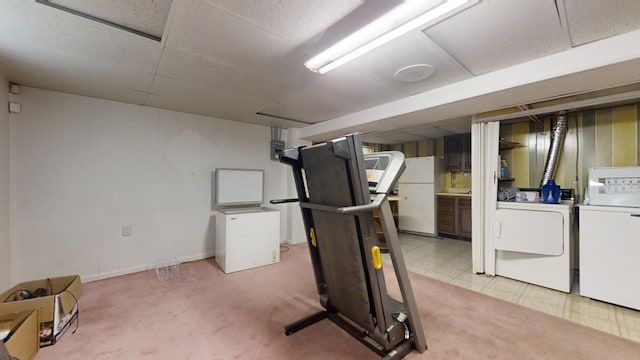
(463, 218)
(454, 216)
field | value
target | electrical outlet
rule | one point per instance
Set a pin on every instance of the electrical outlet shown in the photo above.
(127, 230)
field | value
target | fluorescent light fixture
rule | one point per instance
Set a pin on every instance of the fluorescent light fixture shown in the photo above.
(378, 32)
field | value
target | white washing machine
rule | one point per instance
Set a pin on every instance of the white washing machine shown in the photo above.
(609, 242)
(532, 242)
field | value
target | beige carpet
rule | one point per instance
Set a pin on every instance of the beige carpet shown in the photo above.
(206, 314)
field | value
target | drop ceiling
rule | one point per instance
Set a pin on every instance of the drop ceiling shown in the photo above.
(243, 60)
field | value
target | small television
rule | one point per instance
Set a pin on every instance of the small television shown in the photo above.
(239, 187)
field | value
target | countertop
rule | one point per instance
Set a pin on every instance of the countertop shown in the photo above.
(534, 205)
(453, 194)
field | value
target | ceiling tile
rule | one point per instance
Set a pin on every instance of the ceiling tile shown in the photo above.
(52, 68)
(414, 48)
(146, 16)
(429, 132)
(396, 137)
(496, 34)
(272, 121)
(458, 128)
(205, 72)
(591, 20)
(291, 19)
(309, 106)
(22, 28)
(456, 121)
(360, 91)
(200, 27)
(83, 80)
(336, 93)
(180, 95)
(373, 139)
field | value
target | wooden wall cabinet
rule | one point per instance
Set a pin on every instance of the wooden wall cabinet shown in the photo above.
(454, 216)
(457, 152)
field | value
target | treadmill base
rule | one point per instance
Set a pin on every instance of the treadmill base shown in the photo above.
(398, 352)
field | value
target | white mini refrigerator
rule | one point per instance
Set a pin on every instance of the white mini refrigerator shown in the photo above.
(419, 183)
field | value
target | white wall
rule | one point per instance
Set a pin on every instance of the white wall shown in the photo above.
(85, 167)
(5, 147)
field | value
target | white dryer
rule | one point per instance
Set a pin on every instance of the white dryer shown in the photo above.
(532, 242)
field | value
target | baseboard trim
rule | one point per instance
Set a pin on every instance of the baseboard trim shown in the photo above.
(135, 269)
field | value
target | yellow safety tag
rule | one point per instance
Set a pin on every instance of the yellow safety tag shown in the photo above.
(312, 235)
(376, 258)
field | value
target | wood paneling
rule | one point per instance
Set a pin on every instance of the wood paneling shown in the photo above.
(603, 138)
(440, 148)
(624, 132)
(586, 153)
(566, 172)
(410, 149)
(426, 148)
(520, 134)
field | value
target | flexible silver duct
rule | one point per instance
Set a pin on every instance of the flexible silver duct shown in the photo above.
(558, 134)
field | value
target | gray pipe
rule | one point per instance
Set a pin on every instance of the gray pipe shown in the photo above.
(558, 134)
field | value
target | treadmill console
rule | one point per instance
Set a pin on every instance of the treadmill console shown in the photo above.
(383, 170)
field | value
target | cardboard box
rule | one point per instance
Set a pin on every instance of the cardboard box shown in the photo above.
(55, 299)
(23, 341)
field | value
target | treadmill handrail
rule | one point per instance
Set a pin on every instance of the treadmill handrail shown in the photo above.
(347, 210)
(283, 201)
(376, 204)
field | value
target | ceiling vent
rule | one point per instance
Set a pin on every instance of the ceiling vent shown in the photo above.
(143, 18)
(414, 73)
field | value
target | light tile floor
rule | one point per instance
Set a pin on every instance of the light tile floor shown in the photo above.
(450, 261)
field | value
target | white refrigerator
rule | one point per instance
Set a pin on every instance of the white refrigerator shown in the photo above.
(421, 180)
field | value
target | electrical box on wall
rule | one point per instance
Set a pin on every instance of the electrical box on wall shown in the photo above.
(14, 107)
(276, 146)
(14, 89)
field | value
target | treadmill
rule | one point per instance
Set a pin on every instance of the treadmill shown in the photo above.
(335, 183)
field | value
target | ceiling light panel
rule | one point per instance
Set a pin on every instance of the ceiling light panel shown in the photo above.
(397, 22)
(368, 37)
(145, 18)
